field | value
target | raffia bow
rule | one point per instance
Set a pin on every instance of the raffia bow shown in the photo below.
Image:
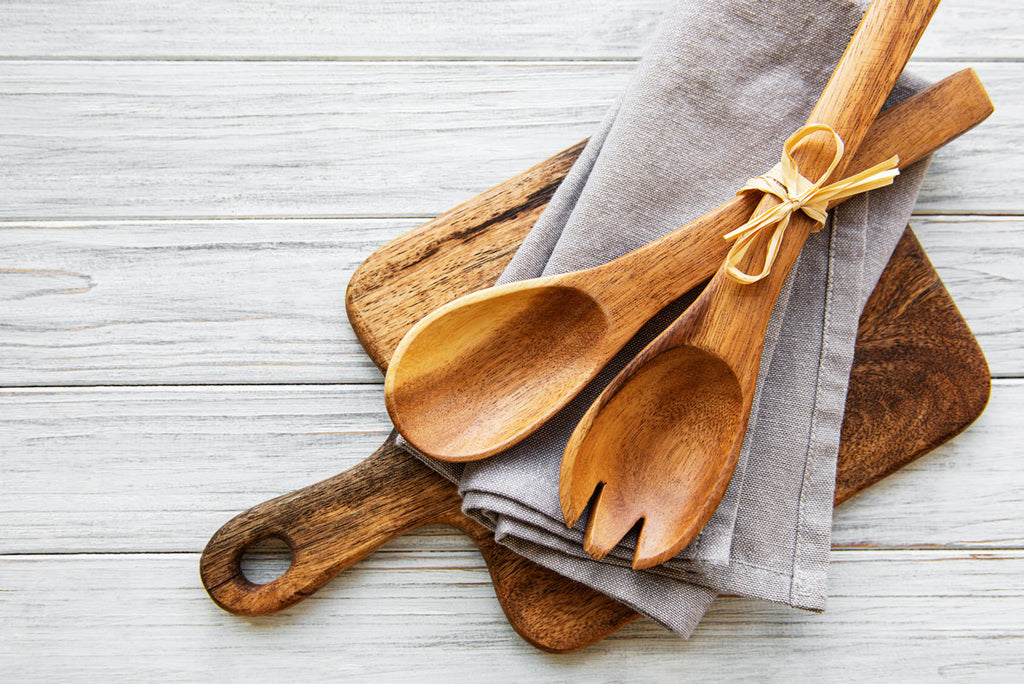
(798, 193)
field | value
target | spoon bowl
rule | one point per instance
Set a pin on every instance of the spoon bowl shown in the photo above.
(512, 332)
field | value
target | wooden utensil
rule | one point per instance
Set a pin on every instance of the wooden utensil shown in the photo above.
(341, 520)
(661, 442)
(478, 375)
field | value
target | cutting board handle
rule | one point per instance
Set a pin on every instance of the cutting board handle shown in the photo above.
(333, 524)
(327, 526)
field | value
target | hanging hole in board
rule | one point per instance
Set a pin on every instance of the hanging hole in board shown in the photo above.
(266, 560)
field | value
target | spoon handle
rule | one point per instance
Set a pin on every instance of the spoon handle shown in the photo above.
(912, 129)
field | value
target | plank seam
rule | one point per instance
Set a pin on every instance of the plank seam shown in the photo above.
(924, 551)
(421, 59)
(1002, 214)
(1001, 381)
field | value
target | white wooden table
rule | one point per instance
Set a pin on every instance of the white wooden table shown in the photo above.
(185, 189)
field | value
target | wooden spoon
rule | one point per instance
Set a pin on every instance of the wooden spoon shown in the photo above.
(661, 442)
(483, 372)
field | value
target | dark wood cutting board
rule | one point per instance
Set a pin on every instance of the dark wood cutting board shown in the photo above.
(919, 378)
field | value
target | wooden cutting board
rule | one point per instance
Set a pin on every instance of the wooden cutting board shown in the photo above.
(919, 378)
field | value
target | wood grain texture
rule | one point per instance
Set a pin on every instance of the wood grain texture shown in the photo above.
(315, 524)
(902, 375)
(917, 501)
(464, 249)
(922, 615)
(347, 29)
(124, 139)
(982, 281)
(335, 523)
(322, 524)
(182, 302)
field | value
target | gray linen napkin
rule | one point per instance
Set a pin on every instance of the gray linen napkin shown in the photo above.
(721, 87)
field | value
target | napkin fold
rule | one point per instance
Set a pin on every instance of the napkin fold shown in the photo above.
(720, 88)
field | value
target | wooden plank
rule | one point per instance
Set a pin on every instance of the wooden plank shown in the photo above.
(86, 139)
(160, 469)
(261, 301)
(963, 29)
(979, 261)
(186, 139)
(949, 186)
(921, 615)
(183, 302)
(182, 459)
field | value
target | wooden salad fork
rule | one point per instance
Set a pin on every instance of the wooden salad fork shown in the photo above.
(660, 444)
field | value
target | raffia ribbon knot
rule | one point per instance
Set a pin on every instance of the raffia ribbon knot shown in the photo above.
(798, 193)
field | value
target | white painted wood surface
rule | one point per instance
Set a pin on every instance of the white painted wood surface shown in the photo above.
(401, 29)
(156, 469)
(195, 139)
(186, 189)
(142, 618)
(261, 301)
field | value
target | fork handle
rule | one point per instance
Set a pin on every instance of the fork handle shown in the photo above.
(865, 75)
